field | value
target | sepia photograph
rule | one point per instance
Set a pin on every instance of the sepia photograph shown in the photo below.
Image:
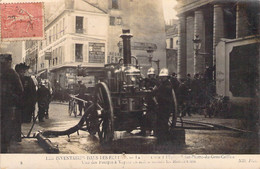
(129, 83)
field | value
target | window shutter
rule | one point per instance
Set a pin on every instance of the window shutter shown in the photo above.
(64, 26)
(85, 25)
(73, 24)
(119, 4)
(73, 56)
(85, 53)
(62, 55)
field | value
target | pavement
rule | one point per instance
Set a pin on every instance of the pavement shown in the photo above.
(230, 123)
(61, 121)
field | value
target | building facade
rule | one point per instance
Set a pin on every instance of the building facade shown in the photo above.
(145, 21)
(172, 40)
(76, 39)
(85, 34)
(229, 33)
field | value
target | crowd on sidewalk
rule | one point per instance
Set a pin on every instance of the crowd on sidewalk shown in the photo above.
(19, 94)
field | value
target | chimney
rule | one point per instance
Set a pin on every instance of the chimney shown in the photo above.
(126, 36)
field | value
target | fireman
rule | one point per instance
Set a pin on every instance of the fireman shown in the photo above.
(151, 81)
(150, 119)
(165, 105)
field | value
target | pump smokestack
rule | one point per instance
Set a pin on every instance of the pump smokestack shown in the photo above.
(126, 36)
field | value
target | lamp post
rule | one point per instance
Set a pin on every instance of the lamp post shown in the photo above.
(150, 51)
(196, 44)
(197, 47)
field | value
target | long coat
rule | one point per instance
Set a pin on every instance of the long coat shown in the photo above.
(11, 92)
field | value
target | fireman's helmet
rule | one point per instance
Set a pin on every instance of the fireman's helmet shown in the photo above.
(151, 71)
(164, 72)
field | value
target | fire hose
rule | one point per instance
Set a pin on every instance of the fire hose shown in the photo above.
(71, 130)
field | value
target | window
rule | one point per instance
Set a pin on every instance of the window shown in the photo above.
(79, 52)
(63, 26)
(56, 56)
(50, 37)
(171, 43)
(57, 31)
(54, 33)
(60, 58)
(112, 20)
(53, 51)
(79, 24)
(119, 21)
(60, 29)
(40, 45)
(114, 4)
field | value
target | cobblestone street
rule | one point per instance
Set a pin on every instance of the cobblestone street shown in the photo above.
(197, 141)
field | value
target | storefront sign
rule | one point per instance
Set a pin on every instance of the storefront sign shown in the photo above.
(47, 55)
(96, 52)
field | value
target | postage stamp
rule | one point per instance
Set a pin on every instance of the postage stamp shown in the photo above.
(22, 21)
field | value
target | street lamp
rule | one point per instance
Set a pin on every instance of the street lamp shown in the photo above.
(196, 44)
(150, 54)
(150, 51)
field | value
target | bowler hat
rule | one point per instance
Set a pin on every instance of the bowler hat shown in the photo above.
(5, 57)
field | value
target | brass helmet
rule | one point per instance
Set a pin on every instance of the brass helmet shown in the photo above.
(164, 72)
(151, 71)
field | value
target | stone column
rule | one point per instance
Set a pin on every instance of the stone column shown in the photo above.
(190, 50)
(181, 63)
(199, 29)
(218, 28)
(241, 21)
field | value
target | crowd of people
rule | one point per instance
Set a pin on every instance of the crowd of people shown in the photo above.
(19, 94)
(189, 95)
(193, 94)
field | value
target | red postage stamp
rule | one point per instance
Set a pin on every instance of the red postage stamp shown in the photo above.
(22, 21)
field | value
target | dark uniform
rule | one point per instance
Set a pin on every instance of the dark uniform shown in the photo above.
(43, 97)
(11, 91)
(81, 95)
(29, 94)
(166, 103)
(29, 99)
(152, 108)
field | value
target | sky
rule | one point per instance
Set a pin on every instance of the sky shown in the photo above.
(168, 5)
(169, 12)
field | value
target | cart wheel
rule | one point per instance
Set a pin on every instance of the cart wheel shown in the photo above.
(104, 108)
(173, 116)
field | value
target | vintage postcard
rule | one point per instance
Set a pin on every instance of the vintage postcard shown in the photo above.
(129, 84)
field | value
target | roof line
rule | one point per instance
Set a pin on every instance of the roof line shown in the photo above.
(95, 6)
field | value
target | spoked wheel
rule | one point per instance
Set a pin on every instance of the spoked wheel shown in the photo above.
(105, 113)
(92, 121)
(174, 113)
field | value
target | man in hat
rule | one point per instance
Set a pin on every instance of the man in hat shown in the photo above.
(150, 117)
(11, 92)
(43, 98)
(29, 95)
(164, 96)
(81, 94)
